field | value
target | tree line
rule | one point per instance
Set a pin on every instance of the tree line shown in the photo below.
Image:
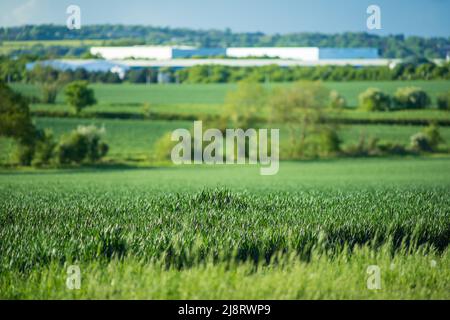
(13, 70)
(390, 46)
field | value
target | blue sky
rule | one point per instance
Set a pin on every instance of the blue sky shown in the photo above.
(410, 17)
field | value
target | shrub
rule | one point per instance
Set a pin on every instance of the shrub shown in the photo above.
(443, 101)
(420, 142)
(82, 145)
(162, 149)
(23, 155)
(146, 110)
(337, 101)
(392, 148)
(374, 147)
(44, 149)
(411, 98)
(328, 142)
(434, 136)
(374, 100)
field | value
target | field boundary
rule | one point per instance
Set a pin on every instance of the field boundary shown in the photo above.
(191, 117)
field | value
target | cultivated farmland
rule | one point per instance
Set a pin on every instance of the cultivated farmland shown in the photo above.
(209, 232)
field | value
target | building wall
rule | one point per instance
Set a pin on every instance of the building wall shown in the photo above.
(302, 54)
(306, 53)
(120, 53)
(201, 52)
(348, 53)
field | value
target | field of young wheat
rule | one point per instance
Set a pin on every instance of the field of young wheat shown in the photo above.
(227, 232)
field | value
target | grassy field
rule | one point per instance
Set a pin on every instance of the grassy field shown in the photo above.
(215, 93)
(203, 232)
(225, 232)
(199, 100)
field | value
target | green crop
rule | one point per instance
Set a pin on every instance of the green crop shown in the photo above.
(173, 223)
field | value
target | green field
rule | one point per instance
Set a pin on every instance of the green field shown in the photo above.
(138, 228)
(203, 232)
(200, 100)
(215, 93)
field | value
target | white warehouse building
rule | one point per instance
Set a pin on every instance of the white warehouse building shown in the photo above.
(292, 53)
(306, 53)
(136, 52)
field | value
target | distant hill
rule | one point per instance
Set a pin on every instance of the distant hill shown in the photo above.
(392, 46)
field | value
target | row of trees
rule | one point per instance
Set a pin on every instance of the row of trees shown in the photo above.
(13, 70)
(374, 99)
(391, 46)
(274, 73)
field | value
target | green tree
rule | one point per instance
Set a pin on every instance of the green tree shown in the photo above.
(301, 109)
(50, 82)
(15, 118)
(374, 99)
(245, 104)
(79, 95)
(16, 123)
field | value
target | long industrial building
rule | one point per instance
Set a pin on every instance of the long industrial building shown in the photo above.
(290, 53)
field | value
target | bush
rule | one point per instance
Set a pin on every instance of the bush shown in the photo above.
(420, 142)
(443, 101)
(372, 147)
(162, 149)
(327, 142)
(392, 148)
(411, 98)
(23, 155)
(82, 145)
(374, 99)
(434, 136)
(146, 110)
(337, 101)
(44, 149)
(427, 140)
